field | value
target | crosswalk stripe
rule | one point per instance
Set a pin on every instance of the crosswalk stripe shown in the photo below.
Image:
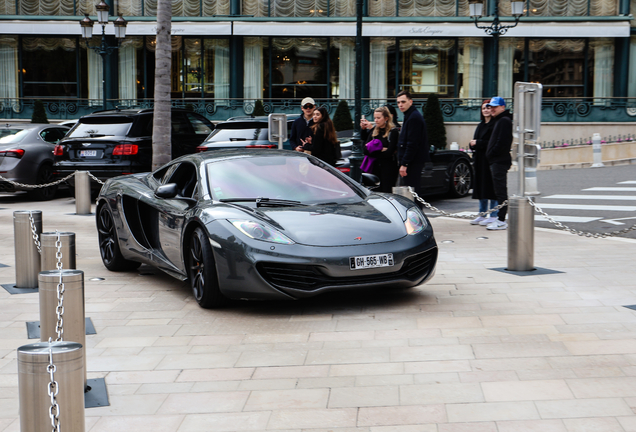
(577, 219)
(586, 207)
(612, 189)
(594, 197)
(627, 182)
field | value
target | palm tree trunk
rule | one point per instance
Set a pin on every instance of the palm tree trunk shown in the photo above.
(161, 127)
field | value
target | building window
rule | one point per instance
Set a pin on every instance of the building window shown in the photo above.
(9, 83)
(470, 68)
(427, 66)
(431, 8)
(558, 64)
(59, 77)
(190, 8)
(382, 68)
(299, 8)
(299, 68)
(573, 7)
(632, 68)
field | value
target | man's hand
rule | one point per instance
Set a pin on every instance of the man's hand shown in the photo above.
(402, 171)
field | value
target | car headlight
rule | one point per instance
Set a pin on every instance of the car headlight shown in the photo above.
(259, 231)
(415, 221)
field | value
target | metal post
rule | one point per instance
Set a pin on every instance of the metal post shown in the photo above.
(355, 159)
(520, 234)
(82, 193)
(27, 257)
(49, 250)
(74, 321)
(598, 153)
(33, 386)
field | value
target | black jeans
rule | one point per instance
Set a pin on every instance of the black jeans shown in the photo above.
(499, 174)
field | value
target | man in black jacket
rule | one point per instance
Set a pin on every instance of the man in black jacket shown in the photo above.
(412, 143)
(301, 127)
(498, 156)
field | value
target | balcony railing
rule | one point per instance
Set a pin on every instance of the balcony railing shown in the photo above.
(569, 110)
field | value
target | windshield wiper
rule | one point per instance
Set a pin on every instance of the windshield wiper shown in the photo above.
(260, 201)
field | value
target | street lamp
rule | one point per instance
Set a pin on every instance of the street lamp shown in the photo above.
(495, 29)
(357, 150)
(104, 48)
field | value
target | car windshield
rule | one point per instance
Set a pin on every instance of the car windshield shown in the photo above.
(88, 130)
(10, 136)
(237, 133)
(278, 177)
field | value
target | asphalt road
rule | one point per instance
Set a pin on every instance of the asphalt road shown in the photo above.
(594, 200)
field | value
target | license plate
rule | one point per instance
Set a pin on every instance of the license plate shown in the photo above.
(85, 153)
(370, 261)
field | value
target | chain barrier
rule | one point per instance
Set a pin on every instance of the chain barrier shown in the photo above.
(577, 232)
(53, 390)
(94, 178)
(537, 209)
(442, 212)
(45, 185)
(59, 310)
(34, 233)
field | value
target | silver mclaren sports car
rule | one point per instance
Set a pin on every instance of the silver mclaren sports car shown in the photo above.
(262, 224)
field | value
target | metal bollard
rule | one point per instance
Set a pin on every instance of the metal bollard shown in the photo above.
(33, 384)
(520, 234)
(27, 257)
(82, 193)
(74, 324)
(403, 191)
(49, 250)
(598, 153)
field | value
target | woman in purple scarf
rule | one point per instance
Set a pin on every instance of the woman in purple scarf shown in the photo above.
(381, 145)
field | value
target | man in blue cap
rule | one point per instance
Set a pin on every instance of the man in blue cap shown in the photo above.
(498, 156)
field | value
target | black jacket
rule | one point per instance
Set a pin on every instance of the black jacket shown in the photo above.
(498, 149)
(413, 141)
(300, 129)
(321, 148)
(482, 181)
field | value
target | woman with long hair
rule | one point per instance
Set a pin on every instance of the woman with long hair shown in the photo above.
(483, 188)
(323, 142)
(383, 157)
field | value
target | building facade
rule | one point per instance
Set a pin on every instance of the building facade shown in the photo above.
(227, 54)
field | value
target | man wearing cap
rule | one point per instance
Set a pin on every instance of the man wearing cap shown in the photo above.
(498, 156)
(301, 127)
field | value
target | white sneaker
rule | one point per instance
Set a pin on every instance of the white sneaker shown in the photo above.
(488, 221)
(497, 225)
(477, 220)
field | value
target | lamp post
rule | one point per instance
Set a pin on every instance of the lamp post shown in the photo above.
(103, 49)
(495, 29)
(356, 155)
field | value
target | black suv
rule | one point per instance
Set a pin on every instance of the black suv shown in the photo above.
(116, 142)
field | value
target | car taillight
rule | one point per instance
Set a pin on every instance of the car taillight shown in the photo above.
(262, 146)
(201, 149)
(344, 170)
(58, 150)
(16, 153)
(125, 150)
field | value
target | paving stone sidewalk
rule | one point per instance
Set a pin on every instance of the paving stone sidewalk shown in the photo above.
(474, 350)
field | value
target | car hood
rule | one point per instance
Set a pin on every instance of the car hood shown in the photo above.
(374, 220)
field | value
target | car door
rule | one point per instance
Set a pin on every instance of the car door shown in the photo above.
(172, 212)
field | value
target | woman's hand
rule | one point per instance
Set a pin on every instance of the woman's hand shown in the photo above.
(366, 124)
(472, 143)
(299, 148)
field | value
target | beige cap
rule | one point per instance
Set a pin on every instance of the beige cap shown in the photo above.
(306, 101)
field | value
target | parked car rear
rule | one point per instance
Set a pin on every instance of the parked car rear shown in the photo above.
(118, 142)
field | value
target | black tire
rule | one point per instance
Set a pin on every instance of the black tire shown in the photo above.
(202, 271)
(45, 175)
(109, 243)
(461, 179)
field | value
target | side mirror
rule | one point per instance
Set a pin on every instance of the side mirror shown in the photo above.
(167, 191)
(369, 180)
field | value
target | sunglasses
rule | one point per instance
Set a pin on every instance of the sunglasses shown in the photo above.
(307, 106)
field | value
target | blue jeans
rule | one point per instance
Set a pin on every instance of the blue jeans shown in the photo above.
(483, 206)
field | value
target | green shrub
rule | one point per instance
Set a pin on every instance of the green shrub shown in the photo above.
(342, 120)
(39, 114)
(434, 118)
(259, 109)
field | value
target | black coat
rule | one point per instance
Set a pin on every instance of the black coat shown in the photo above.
(498, 150)
(482, 181)
(321, 148)
(385, 166)
(300, 130)
(413, 140)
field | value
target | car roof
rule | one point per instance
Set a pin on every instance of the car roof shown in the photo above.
(256, 120)
(128, 112)
(222, 154)
(27, 126)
